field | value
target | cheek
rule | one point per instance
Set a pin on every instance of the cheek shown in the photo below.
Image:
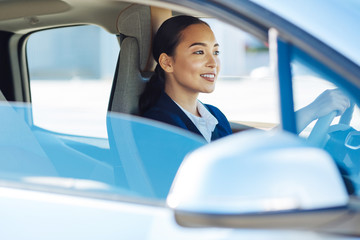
(193, 65)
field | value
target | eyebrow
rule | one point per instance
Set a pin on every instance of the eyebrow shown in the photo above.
(202, 44)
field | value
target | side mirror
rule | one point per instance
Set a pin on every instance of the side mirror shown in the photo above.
(258, 179)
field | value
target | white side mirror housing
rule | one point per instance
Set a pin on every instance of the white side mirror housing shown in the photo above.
(257, 172)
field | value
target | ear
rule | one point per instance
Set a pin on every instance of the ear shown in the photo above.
(166, 62)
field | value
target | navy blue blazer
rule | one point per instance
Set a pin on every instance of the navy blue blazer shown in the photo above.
(166, 110)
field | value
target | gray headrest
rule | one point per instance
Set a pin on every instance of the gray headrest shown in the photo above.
(135, 21)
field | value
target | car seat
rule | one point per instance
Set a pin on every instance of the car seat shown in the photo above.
(136, 26)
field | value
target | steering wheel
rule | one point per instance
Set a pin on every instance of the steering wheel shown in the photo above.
(318, 136)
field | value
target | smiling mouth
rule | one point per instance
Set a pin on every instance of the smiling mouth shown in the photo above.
(208, 76)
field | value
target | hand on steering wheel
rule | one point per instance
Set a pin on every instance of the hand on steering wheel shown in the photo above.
(318, 136)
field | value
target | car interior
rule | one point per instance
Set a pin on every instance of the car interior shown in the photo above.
(133, 24)
(126, 20)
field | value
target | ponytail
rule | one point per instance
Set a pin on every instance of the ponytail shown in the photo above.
(153, 89)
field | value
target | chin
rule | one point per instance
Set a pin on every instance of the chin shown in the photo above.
(208, 90)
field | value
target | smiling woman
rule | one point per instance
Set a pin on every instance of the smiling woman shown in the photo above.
(186, 51)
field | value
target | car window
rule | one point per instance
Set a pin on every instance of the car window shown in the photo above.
(246, 91)
(71, 68)
(309, 85)
(140, 161)
(337, 134)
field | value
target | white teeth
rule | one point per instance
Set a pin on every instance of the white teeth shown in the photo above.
(208, 75)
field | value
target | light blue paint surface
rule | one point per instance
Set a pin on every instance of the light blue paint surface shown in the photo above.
(334, 22)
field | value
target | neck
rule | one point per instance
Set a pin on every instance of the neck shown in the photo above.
(186, 100)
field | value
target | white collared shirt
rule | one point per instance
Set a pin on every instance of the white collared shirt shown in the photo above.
(206, 123)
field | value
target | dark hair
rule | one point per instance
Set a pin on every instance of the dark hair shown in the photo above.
(165, 40)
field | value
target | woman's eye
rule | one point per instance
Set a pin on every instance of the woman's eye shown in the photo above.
(199, 52)
(216, 52)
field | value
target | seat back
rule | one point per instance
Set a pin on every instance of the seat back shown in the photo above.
(135, 64)
(136, 26)
(135, 39)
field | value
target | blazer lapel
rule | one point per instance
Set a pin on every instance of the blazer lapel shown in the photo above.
(171, 106)
(215, 134)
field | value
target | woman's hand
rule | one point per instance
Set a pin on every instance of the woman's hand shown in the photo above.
(325, 103)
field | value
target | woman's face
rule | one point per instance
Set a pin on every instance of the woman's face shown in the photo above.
(195, 64)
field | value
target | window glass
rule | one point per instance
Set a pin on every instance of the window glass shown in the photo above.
(139, 166)
(315, 91)
(72, 68)
(245, 92)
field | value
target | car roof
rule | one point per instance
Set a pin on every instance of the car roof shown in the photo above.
(331, 21)
(23, 16)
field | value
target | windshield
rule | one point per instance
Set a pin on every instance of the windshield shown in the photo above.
(138, 159)
(336, 132)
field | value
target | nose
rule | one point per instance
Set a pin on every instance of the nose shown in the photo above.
(212, 61)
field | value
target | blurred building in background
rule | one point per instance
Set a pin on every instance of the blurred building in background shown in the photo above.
(82, 52)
